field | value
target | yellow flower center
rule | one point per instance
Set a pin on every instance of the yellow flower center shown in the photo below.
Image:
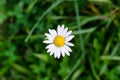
(59, 41)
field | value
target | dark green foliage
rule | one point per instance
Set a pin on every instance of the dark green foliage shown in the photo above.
(95, 24)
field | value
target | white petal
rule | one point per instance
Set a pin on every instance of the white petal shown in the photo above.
(53, 33)
(50, 31)
(69, 44)
(49, 36)
(55, 54)
(64, 32)
(66, 51)
(51, 53)
(48, 41)
(49, 46)
(62, 26)
(68, 33)
(62, 51)
(67, 48)
(49, 50)
(58, 29)
(62, 29)
(53, 48)
(69, 38)
(55, 51)
(58, 53)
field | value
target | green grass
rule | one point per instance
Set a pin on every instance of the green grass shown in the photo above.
(95, 24)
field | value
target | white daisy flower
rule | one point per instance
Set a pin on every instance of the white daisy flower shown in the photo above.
(59, 41)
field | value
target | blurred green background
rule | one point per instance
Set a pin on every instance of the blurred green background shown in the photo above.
(95, 24)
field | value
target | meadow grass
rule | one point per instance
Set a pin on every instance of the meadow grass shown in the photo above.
(95, 24)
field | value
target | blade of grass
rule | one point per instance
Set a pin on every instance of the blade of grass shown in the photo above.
(108, 45)
(89, 19)
(77, 74)
(20, 68)
(83, 31)
(109, 22)
(3, 71)
(41, 57)
(109, 58)
(81, 41)
(102, 1)
(93, 69)
(113, 15)
(41, 17)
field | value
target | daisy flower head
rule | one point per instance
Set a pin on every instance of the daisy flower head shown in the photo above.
(59, 41)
